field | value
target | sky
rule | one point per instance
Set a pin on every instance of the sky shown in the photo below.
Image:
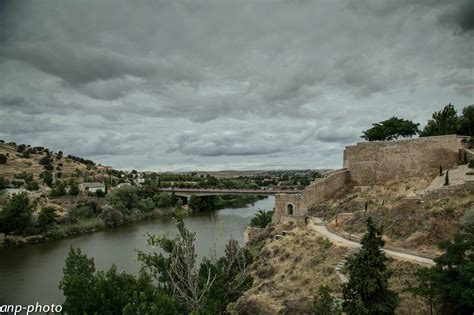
(226, 84)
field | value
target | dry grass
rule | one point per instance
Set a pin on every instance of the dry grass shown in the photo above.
(289, 271)
(17, 164)
(408, 222)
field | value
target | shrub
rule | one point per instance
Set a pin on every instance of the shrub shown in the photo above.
(3, 159)
(58, 190)
(471, 164)
(83, 212)
(46, 217)
(111, 217)
(32, 185)
(45, 160)
(261, 219)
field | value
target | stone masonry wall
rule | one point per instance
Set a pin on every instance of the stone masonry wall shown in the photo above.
(318, 190)
(381, 161)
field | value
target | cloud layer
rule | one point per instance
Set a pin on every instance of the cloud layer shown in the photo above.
(173, 85)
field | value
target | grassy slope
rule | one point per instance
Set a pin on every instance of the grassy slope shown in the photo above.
(16, 164)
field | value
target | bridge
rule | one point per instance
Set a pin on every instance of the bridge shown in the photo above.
(187, 192)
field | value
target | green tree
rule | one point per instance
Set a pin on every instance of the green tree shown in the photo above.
(15, 215)
(203, 289)
(261, 219)
(466, 121)
(367, 291)
(111, 217)
(47, 177)
(444, 122)
(163, 200)
(325, 303)
(449, 284)
(3, 159)
(58, 190)
(110, 292)
(124, 199)
(46, 217)
(3, 183)
(390, 129)
(73, 189)
(78, 283)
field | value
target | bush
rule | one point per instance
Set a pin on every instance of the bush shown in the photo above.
(3, 183)
(32, 185)
(58, 190)
(471, 164)
(73, 189)
(45, 160)
(111, 217)
(48, 167)
(3, 159)
(46, 217)
(261, 219)
(83, 212)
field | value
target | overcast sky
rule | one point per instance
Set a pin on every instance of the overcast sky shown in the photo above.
(225, 84)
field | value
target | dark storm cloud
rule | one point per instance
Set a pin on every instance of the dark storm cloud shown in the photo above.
(177, 84)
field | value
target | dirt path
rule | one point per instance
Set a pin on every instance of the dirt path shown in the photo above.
(321, 229)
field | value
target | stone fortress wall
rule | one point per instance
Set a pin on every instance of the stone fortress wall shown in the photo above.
(368, 163)
(381, 161)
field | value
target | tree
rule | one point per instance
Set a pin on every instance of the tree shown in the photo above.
(58, 190)
(449, 282)
(324, 303)
(111, 292)
(111, 217)
(15, 215)
(367, 291)
(47, 178)
(3, 159)
(73, 188)
(78, 283)
(206, 289)
(3, 183)
(444, 122)
(261, 219)
(124, 199)
(46, 217)
(466, 121)
(390, 129)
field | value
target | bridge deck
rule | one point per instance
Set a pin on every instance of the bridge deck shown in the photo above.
(214, 191)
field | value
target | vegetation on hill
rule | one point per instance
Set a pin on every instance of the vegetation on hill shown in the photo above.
(171, 282)
(448, 285)
(367, 291)
(261, 219)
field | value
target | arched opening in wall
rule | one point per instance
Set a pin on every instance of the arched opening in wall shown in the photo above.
(289, 209)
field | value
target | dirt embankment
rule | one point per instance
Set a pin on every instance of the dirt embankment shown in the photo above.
(288, 272)
(409, 221)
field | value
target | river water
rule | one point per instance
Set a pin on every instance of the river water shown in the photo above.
(31, 274)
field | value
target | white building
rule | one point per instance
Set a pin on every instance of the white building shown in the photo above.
(91, 187)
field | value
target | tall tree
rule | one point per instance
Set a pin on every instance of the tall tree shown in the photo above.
(466, 121)
(367, 291)
(444, 122)
(390, 129)
(15, 216)
(449, 284)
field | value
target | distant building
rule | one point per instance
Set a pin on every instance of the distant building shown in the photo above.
(91, 187)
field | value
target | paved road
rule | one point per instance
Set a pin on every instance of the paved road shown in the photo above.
(345, 242)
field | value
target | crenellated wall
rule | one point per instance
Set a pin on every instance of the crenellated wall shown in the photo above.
(382, 161)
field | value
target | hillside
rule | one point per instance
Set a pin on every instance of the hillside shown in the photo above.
(27, 159)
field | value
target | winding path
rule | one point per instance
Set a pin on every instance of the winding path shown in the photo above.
(321, 229)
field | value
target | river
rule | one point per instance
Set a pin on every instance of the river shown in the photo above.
(31, 274)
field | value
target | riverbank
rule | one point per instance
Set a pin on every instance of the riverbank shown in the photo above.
(92, 225)
(83, 226)
(30, 274)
